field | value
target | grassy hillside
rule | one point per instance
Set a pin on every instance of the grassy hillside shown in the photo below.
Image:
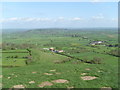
(69, 71)
(81, 65)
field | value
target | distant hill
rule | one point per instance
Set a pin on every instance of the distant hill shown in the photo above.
(13, 30)
(52, 29)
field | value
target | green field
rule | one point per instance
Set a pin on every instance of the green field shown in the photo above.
(13, 58)
(82, 65)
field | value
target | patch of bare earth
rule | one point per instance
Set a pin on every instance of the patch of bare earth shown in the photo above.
(87, 69)
(106, 88)
(60, 81)
(48, 73)
(52, 70)
(99, 71)
(9, 77)
(83, 73)
(70, 87)
(43, 84)
(88, 77)
(57, 61)
(1, 76)
(18, 86)
(32, 82)
(34, 72)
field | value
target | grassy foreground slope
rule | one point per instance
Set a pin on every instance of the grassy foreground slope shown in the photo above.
(106, 73)
(46, 66)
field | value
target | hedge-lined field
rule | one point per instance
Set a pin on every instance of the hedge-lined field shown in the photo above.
(81, 65)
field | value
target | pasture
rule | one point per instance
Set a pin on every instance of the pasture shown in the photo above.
(81, 65)
(14, 58)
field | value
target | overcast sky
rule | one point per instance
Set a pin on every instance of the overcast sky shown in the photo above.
(59, 14)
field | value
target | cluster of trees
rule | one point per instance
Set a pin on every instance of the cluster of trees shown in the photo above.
(115, 52)
(16, 56)
(12, 46)
(29, 60)
(75, 35)
(115, 45)
(95, 60)
(77, 50)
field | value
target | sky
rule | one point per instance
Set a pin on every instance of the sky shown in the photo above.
(59, 14)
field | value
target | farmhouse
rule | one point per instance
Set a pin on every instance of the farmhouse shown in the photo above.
(60, 51)
(96, 42)
(53, 50)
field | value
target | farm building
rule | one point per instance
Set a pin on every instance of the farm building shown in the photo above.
(60, 51)
(96, 42)
(51, 49)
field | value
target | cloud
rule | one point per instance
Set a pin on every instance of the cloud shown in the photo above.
(13, 19)
(29, 19)
(24, 19)
(61, 18)
(76, 19)
(114, 19)
(33, 22)
(99, 16)
(9, 19)
(43, 19)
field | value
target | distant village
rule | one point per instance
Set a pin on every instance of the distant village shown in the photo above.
(102, 43)
(91, 43)
(53, 50)
(97, 42)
